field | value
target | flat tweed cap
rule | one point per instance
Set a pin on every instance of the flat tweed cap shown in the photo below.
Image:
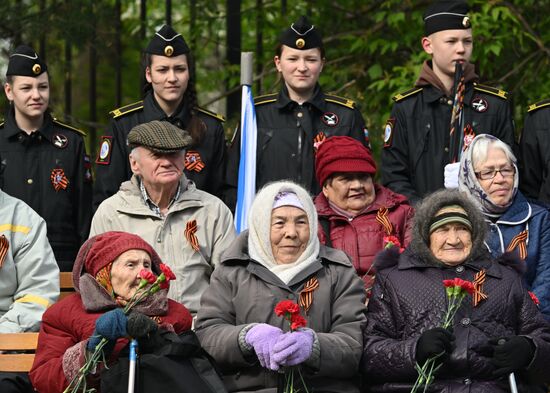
(159, 137)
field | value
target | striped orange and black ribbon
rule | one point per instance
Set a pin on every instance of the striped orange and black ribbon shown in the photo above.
(520, 242)
(193, 161)
(306, 294)
(4, 247)
(382, 218)
(479, 280)
(58, 179)
(190, 234)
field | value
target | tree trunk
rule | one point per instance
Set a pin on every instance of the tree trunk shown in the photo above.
(43, 23)
(259, 44)
(93, 75)
(169, 12)
(118, 54)
(233, 50)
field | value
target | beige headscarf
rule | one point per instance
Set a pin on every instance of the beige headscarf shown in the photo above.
(259, 224)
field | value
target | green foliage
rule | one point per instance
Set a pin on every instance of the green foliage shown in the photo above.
(373, 48)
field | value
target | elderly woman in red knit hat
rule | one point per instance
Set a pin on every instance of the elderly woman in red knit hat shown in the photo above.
(106, 274)
(356, 215)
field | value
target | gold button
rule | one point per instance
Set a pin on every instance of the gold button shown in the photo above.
(29, 181)
(450, 102)
(446, 150)
(299, 114)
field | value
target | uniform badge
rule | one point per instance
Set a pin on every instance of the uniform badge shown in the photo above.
(319, 138)
(59, 180)
(87, 169)
(480, 105)
(366, 135)
(469, 135)
(330, 119)
(60, 141)
(388, 132)
(193, 161)
(104, 154)
(4, 247)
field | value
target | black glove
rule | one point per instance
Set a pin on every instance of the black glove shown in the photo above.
(140, 326)
(511, 354)
(433, 342)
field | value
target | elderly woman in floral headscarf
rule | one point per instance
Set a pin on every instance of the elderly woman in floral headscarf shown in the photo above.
(106, 274)
(280, 258)
(496, 331)
(489, 174)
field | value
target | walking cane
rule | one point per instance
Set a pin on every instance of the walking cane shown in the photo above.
(512, 381)
(132, 366)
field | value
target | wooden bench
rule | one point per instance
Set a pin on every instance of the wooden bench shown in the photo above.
(17, 362)
(65, 284)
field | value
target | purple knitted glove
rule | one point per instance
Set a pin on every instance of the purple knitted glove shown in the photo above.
(293, 348)
(262, 337)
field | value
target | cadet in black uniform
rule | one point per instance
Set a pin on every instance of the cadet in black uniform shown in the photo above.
(294, 121)
(534, 163)
(42, 161)
(170, 96)
(417, 134)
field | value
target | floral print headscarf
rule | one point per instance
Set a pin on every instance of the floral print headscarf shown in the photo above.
(468, 183)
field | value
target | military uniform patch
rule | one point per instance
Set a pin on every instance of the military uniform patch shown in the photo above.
(87, 169)
(480, 105)
(330, 119)
(193, 161)
(366, 135)
(105, 149)
(58, 179)
(388, 132)
(60, 141)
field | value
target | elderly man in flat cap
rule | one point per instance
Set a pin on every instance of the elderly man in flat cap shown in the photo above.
(422, 140)
(188, 228)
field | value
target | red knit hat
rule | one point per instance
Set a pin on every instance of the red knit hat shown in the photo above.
(341, 154)
(108, 246)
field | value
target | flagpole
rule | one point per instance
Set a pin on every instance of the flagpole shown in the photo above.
(247, 165)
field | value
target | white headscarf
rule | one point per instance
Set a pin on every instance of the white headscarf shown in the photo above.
(468, 183)
(259, 232)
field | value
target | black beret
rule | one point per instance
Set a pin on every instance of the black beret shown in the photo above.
(301, 35)
(159, 137)
(167, 42)
(447, 15)
(25, 62)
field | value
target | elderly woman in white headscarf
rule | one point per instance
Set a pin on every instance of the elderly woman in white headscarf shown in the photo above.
(489, 175)
(280, 258)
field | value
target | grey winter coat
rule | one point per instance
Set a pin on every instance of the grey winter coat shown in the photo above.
(242, 292)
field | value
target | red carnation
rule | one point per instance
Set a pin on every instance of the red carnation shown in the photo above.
(167, 272)
(286, 306)
(449, 283)
(297, 321)
(534, 298)
(164, 284)
(147, 275)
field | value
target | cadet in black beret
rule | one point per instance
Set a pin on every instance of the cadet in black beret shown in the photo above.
(43, 161)
(301, 113)
(418, 156)
(170, 95)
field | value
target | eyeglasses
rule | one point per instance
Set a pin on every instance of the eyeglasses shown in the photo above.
(507, 171)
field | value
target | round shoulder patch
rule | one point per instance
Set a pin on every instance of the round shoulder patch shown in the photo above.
(388, 132)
